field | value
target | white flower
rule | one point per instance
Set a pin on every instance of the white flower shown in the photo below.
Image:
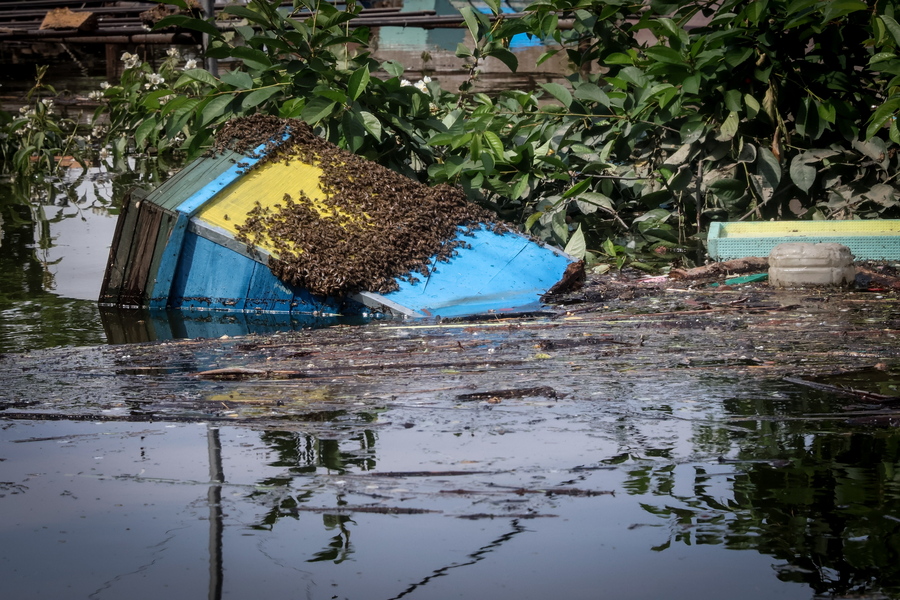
(190, 64)
(95, 95)
(48, 104)
(105, 86)
(405, 82)
(130, 60)
(173, 52)
(166, 98)
(420, 85)
(104, 153)
(154, 80)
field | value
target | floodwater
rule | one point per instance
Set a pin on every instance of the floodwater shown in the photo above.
(644, 449)
(603, 453)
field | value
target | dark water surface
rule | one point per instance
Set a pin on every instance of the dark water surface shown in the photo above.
(461, 506)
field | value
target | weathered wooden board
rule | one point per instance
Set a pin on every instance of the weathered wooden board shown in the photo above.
(120, 249)
(137, 271)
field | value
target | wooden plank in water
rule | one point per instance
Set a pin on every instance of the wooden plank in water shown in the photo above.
(134, 288)
(121, 248)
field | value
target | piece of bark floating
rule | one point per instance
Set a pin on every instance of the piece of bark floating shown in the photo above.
(241, 373)
(720, 270)
(544, 391)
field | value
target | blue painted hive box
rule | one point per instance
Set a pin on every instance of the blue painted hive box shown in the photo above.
(301, 227)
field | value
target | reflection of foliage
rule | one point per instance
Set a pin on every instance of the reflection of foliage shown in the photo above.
(339, 546)
(305, 454)
(824, 503)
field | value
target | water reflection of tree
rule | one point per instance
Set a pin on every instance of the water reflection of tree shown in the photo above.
(819, 496)
(307, 454)
(30, 211)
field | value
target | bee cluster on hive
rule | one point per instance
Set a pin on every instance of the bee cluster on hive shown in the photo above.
(381, 225)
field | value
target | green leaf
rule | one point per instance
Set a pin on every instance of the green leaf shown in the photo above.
(691, 85)
(733, 100)
(665, 54)
(317, 109)
(146, 127)
(359, 80)
(201, 75)
(577, 245)
(577, 188)
(892, 26)
(728, 190)
(729, 127)
(589, 202)
(519, 189)
(881, 56)
(692, 130)
(257, 97)
(506, 57)
(332, 94)
(589, 92)
(747, 153)
(371, 123)
(882, 114)
(559, 92)
(494, 144)
(254, 59)
(487, 162)
(802, 174)
(246, 13)
(151, 100)
(753, 106)
(768, 167)
(354, 131)
(532, 219)
(463, 51)
(215, 108)
(835, 9)
(239, 79)
(618, 58)
(472, 22)
(494, 5)
(672, 30)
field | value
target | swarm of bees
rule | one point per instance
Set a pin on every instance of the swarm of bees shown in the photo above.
(383, 226)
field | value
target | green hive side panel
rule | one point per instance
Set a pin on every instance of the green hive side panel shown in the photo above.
(190, 179)
(873, 239)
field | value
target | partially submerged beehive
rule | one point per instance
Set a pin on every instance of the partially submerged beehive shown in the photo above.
(279, 220)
